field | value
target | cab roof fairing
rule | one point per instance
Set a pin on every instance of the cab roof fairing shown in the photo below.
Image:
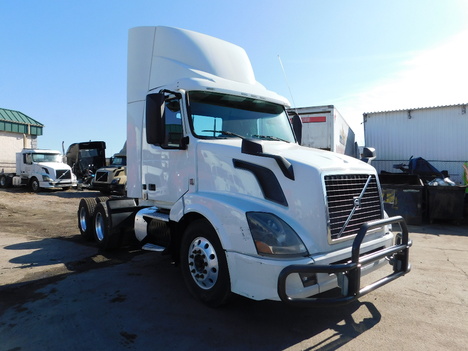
(172, 57)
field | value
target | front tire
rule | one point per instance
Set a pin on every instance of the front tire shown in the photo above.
(35, 187)
(204, 265)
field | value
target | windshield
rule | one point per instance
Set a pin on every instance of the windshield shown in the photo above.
(119, 161)
(46, 157)
(215, 115)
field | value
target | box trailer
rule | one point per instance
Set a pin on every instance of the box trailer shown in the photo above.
(437, 134)
(323, 127)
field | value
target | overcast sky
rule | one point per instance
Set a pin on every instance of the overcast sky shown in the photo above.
(63, 62)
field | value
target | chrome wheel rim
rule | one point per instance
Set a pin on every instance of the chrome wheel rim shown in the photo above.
(100, 226)
(203, 263)
(83, 223)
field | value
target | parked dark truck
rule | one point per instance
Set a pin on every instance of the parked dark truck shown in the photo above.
(215, 177)
(86, 157)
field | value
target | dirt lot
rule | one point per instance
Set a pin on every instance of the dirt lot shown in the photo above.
(48, 214)
(59, 292)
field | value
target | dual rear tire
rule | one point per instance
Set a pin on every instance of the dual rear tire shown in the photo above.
(105, 236)
(94, 223)
(5, 181)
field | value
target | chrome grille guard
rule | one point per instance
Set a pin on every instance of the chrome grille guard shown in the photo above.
(352, 270)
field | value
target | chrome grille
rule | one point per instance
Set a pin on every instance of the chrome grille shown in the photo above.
(101, 177)
(63, 174)
(348, 205)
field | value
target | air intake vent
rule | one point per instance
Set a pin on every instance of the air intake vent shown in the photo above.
(352, 201)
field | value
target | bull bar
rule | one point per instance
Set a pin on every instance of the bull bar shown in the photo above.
(399, 254)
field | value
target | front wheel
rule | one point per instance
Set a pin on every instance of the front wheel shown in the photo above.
(35, 187)
(204, 265)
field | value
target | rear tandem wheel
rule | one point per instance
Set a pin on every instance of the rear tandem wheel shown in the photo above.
(106, 237)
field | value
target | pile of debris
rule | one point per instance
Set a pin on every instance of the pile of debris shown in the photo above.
(421, 193)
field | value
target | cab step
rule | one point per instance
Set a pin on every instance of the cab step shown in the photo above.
(153, 247)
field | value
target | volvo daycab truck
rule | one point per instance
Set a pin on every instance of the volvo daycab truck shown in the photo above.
(112, 179)
(40, 169)
(216, 178)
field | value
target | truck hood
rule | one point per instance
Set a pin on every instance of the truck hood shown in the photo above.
(109, 168)
(258, 183)
(325, 161)
(53, 165)
(302, 159)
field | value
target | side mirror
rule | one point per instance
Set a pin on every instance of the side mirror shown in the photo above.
(297, 127)
(155, 105)
(368, 154)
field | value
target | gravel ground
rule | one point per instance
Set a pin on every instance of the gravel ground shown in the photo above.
(58, 292)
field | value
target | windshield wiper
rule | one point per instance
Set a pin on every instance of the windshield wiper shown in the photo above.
(225, 132)
(269, 137)
(231, 134)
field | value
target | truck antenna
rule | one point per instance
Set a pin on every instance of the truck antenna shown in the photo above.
(287, 83)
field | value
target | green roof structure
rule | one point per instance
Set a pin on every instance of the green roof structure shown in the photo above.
(18, 122)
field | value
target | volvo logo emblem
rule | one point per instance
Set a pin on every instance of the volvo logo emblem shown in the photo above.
(357, 202)
(356, 206)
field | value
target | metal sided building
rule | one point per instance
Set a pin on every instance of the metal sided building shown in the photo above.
(437, 134)
(17, 131)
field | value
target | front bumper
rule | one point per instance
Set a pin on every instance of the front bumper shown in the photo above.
(57, 185)
(100, 186)
(110, 188)
(350, 273)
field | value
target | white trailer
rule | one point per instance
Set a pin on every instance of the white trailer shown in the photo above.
(323, 127)
(39, 169)
(437, 134)
(217, 179)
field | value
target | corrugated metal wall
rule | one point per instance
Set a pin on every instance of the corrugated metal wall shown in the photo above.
(439, 134)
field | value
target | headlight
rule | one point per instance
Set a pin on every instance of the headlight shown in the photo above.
(46, 178)
(115, 181)
(273, 236)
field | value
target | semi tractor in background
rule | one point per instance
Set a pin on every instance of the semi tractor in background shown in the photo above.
(112, 179)
(216, 178)
(39, 169)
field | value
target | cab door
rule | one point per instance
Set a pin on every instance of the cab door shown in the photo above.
(26, 165)
(167, 163)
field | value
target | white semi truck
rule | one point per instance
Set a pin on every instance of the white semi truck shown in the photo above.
(39, 169)
(216, 177)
